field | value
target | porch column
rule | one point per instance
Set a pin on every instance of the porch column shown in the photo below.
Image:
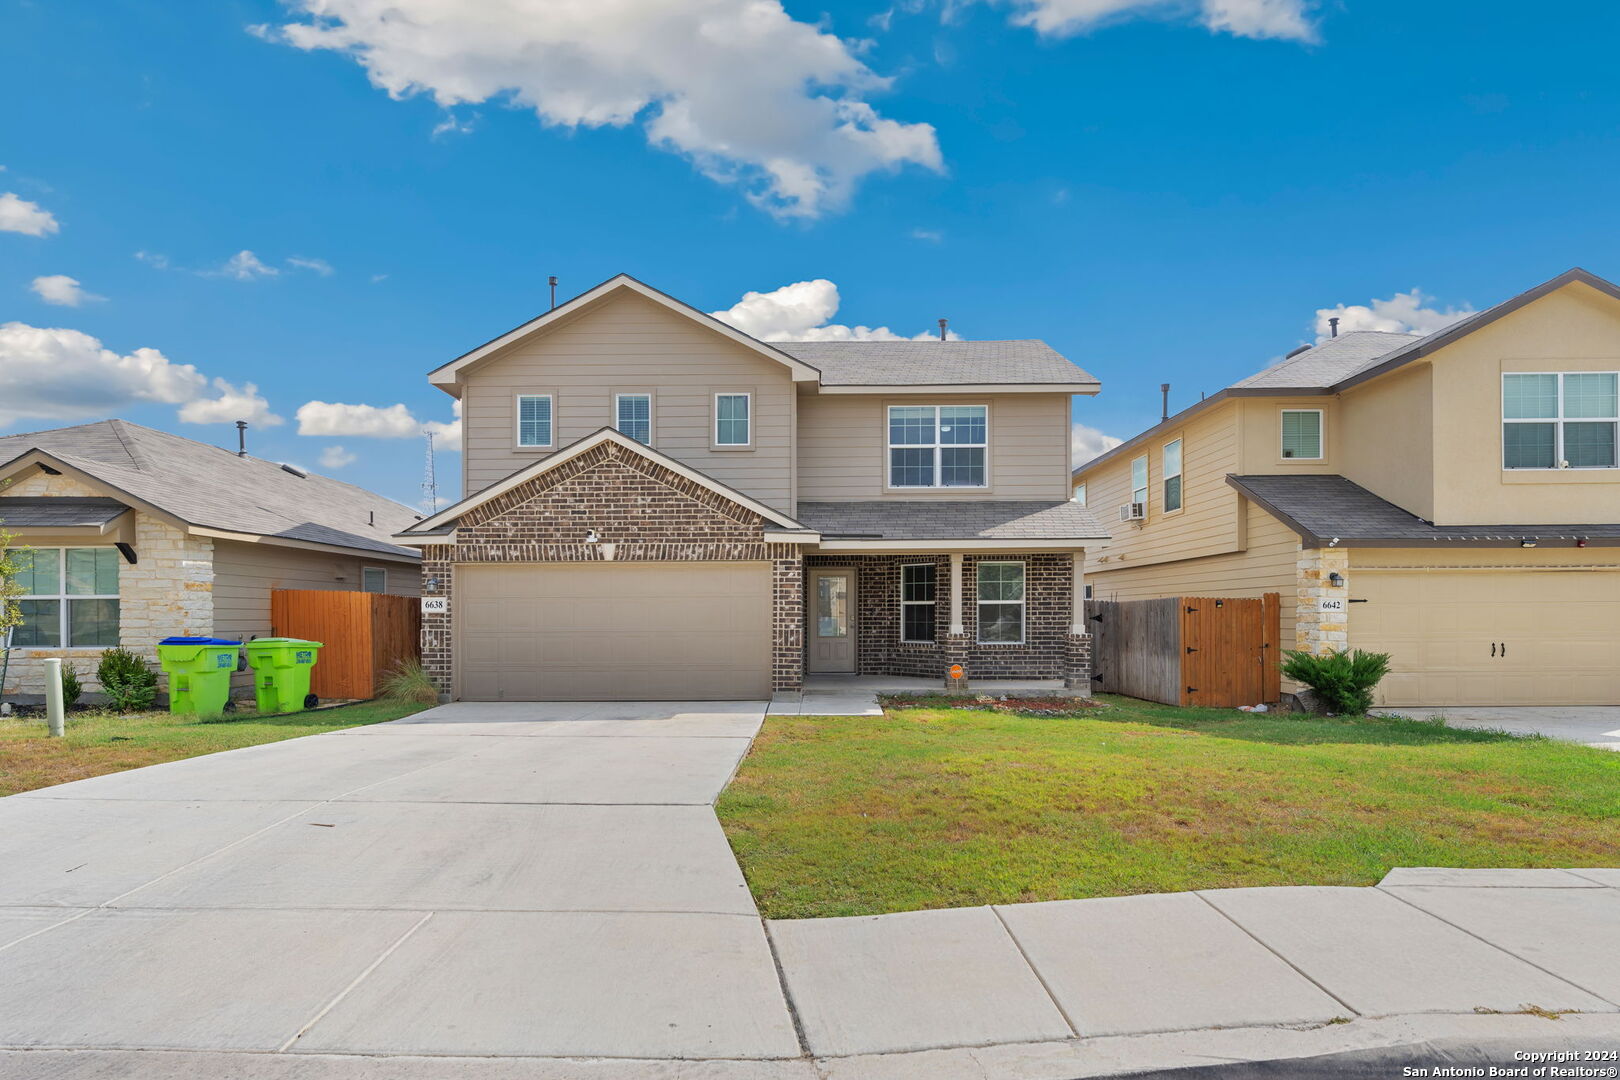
(1077, 666)
(956, 592)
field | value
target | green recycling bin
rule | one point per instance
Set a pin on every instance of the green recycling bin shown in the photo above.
(281, 667)
(199, 671)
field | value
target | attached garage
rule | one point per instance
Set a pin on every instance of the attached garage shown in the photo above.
(1491, 635)
(613, 631)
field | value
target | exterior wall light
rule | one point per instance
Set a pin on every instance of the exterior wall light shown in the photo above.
(1336, 579)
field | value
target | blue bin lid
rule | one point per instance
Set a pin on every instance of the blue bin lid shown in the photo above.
(198, 641)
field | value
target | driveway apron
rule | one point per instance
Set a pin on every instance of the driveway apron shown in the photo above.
(544, 879)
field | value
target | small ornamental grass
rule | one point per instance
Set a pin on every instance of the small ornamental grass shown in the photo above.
(407, 683)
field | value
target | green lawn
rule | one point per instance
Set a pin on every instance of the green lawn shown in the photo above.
(98, 743)
(938, 807)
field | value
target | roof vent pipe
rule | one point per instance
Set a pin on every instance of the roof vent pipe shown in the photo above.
(942, 324)
(1164, 408)
(1333, 326)
(241, 438)
(552, 281)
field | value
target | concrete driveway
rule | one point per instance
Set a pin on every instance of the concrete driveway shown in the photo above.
(1593, 725)
(481, 879)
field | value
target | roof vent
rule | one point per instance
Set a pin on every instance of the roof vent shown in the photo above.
(300, 473)
(1296, 352)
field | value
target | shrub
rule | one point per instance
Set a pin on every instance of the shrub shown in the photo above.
(407, 683)
(126, 680)
(1343, 680)
(71, 687)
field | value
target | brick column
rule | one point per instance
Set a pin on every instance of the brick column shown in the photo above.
(1318, 631)
(1077, 653)
(1077, 670)
(437, 650)
(787, 617)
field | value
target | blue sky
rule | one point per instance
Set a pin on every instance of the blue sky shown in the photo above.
(1167, 192)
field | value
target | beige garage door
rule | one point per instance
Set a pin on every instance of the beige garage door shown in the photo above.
(1492, 637)
(613, 631)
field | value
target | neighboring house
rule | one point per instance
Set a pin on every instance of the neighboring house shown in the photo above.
(136, 535)
(660, 506)
(1452, 499)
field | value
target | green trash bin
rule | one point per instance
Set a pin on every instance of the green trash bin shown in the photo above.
(281, 667)
(199, 671)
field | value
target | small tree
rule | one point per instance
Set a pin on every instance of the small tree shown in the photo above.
(10, 610)
(1343, 680)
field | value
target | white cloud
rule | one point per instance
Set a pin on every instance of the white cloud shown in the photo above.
(799, 312)
(450, 125)
(1089, 442)
(153, 259)
(1286, 19)
(446, 436)
(363, 421)
(231, 405)
(931, 236)
(335, 457)
(18, 215)
(62, 290)
(1403, 313)
(61, 374)
(299, 262)
(243, 266)
(750, 95)
(375, 278)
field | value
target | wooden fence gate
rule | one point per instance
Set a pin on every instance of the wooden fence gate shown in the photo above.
(1189, 650)
(365, 635)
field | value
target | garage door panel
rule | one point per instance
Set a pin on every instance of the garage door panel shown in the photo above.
(1445, 630)
(613, 631)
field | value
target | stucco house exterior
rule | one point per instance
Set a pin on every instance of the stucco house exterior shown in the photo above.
(1451, 499)
(134, 535)
(659, 506)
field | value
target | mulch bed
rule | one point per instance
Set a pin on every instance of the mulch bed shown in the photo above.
(1028, 706)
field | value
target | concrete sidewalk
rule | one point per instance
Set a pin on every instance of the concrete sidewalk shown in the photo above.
(543, 891)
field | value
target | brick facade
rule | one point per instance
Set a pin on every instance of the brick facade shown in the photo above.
(1049, 651)
(642, 512)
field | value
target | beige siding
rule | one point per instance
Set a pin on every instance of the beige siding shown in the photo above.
(1209, 521)
(1269, 563)
(244, 574)
(630, 344)
(1389, 448)
(1260, 422)
(843, 446)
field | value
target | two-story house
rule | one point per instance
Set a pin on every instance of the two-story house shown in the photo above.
(1451, 499)
(660, 506)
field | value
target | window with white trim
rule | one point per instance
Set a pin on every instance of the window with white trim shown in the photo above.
(374, 579)
(933, 446)
(1001, 603)
(1170, 466)
(1139, 480)
(1080, 494)
(733, 419)
(632, 415)
(917, 602)
(69, 597)
(534, 419)
(1302, 434)
(1560, 420)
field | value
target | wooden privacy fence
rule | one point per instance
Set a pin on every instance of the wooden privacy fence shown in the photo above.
(1189, 650)
(365, 634)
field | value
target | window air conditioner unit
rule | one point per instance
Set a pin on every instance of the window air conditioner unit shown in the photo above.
(1133, 512)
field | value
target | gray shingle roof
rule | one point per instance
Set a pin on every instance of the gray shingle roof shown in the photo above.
(1333, 360)
(1321, 507)
(951, 519)
(211, 487)
(934, 363)
(58, 512)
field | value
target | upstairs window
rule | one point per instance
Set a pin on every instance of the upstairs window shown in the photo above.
(934, 446)
(1557, 420)
(534, 419)
(1139, 481)
(69, 597)
(732, 419)
(1080, 494)
(1170, 456)
(633, 416)
(917, 605)
(1302, 434)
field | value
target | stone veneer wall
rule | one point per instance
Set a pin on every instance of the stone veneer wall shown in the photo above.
(1049, 651)
(169, 591)
(642, 512)
(1318, 631)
